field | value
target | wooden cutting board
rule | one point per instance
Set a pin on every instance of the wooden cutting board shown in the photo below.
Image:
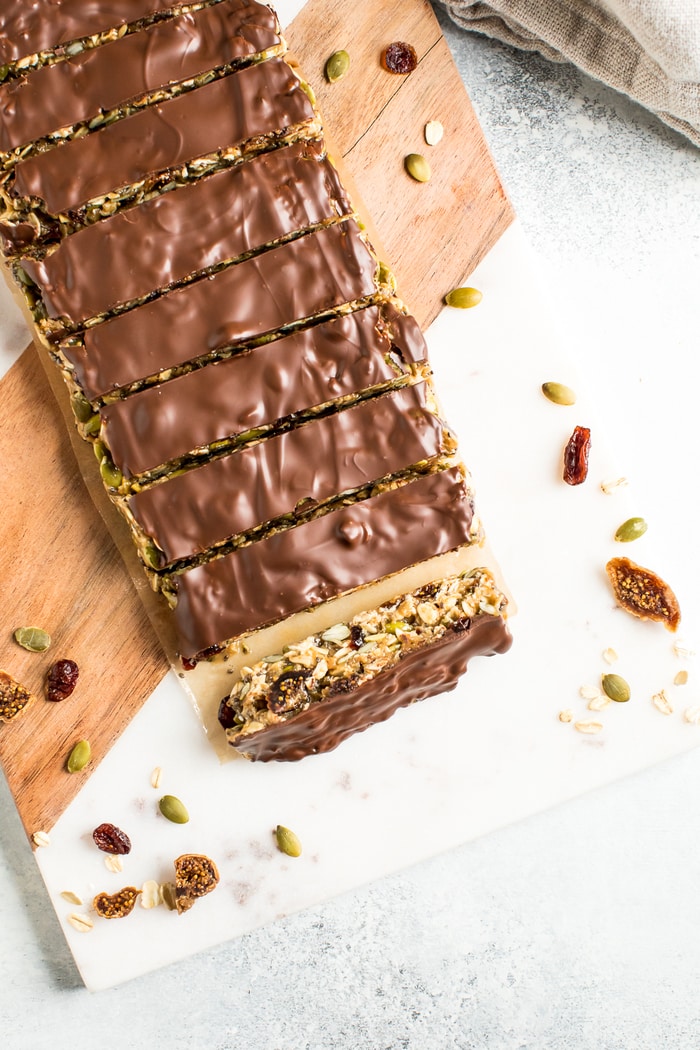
(58, 564)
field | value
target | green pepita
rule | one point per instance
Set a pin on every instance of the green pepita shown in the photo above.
(173, 810)
(385, 276)
(111, 475)
(630, 530)
(82, 409)
(287, 841)
(79, 757)
(337, 66)
(417, 167)
(464, 298)
(559, 393)
(615, 687)
(32, 638)
(92, 427)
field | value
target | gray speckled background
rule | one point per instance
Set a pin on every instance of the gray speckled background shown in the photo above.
(575, 930)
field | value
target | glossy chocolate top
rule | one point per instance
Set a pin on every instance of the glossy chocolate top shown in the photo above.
(258, 100)
(164, 240)
(102, 78)
(293, 570)
(28, 26)
(295, 280)
(325, 458)
(273, 381)
(435, 668)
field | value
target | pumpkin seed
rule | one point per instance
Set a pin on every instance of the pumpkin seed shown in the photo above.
(616, 688)
(111, 475)
(417, 167)
(337, 66)
(82, 409)
(168, 896)
(174, 810)
(79, 757)
(559, 393)
(433, 132)
(630, 530)
(287, 841)
(463, 298)
(34, 639)
(385, 276)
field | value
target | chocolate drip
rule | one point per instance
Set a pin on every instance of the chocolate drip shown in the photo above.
(194, 511)
(103, 78)
(304, 277)
(305, 369)
(436, 668)
(282, 575)
(260, 100)
(165, 239)
(28, 26)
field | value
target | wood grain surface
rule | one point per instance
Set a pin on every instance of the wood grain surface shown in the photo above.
(59, 568)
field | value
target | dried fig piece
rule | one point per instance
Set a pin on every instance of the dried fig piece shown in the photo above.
(642, 593)
(14, 697)
(195, 876)
(116, 905)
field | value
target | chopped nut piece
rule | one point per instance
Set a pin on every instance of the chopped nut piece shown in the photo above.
(433, 132)
(692, 715)
(642, 593)
(40, 838)
(566, 715)
(116, 905)
(588, 727)
(81, 923)
(681, 678)
(662, 703)
(14, 698)
(610, 656)
(195, 876)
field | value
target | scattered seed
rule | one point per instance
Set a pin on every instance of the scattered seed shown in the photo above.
(167, 894)
(71, 898)
(338, 633)
(40, 838)
(609, 655)
(692, 715)
(631, 530)
(150, 894)
(599, 703)
(566, 715)
(337, 66)
(156, 777)
(463, 298)
(114, 863)
(608, 487)
(34, 639)
(559, 394)
(588, 727)
(173, 809)
(433, 132)
(287, 841)
(681, 678)
(616, 688)
(417, 167)
(589, 692)
(79, 757)
(662, 703)
(81, 923)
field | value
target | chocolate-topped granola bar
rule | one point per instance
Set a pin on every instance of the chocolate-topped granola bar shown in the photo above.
(258, 398)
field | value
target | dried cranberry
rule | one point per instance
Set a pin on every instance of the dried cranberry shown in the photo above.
(111, 839)
(188, 663)
(576, 456)
(399, 58)
(357, 637)
(61, 680)
(227, 718)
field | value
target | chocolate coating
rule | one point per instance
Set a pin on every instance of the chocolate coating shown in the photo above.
(436, 668)
(28, 26)
(304, 277)
(293, 570)
(302, 370)
(258, 100)
(103, 78)
(194, 511)
(167, 238)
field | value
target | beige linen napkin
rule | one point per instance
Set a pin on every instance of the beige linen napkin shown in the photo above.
(648, 49)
